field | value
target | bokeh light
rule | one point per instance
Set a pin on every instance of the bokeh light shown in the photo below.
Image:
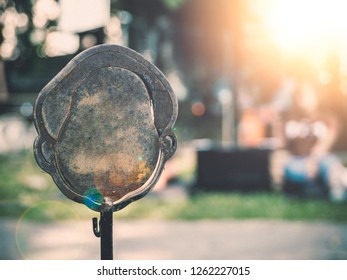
(198, 109)
(299, 24)
(57, 211)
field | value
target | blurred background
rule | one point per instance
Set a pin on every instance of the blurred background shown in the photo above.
(262, 93)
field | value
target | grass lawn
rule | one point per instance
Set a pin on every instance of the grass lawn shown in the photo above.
(26, 190)
(237, 206)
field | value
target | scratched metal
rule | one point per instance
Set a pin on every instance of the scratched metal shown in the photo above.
(105, 127)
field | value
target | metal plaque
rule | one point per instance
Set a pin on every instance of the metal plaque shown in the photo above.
(105, 127)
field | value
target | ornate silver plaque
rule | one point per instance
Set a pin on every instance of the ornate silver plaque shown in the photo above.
(105, 127)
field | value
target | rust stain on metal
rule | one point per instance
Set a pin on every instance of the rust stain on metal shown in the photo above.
(105, 127)
(112, 146)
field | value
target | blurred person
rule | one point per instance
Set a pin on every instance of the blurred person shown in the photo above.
(310, 132)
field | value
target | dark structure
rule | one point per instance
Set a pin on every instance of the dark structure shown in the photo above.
(105, 130)
(241, 170)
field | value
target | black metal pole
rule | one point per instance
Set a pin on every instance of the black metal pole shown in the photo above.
(106, 235)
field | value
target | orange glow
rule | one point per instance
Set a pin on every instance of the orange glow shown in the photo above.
(252, 129)
(298, 24)
(198, 109)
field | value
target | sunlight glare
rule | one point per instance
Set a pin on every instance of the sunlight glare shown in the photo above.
(301, 23)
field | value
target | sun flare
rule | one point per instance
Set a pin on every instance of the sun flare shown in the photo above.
(297, 24)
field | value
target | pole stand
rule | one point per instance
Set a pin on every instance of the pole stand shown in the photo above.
(104, 231)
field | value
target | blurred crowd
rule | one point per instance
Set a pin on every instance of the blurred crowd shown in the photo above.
(311, 130)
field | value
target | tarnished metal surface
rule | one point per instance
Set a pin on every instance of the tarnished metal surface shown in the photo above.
(105, 127)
